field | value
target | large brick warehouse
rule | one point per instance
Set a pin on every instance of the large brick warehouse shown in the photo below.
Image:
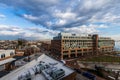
(73, 45)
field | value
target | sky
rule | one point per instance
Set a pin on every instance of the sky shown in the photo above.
(43, 19)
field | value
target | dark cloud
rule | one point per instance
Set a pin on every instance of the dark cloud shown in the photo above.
(57, 14)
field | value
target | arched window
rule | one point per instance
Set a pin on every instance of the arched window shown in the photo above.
(11, 54)
(2, 55)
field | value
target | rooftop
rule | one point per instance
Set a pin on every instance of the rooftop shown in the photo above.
(30, 67)
(1, 51)
(6, 61)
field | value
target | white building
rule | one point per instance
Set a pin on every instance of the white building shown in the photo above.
(6, 58)
(6, 53)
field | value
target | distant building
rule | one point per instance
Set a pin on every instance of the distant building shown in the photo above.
(6, 57)
(8, 44)
(20, 52)
(44, 68)
(29, 50)
(46, 45)
(67, 45)
(5, 54)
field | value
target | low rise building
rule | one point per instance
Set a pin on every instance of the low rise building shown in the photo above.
(4, 54)
(20, 52)
(8, 44)
(43, 68)
(6, 57)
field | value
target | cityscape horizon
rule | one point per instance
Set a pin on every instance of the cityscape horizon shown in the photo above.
(59, 39)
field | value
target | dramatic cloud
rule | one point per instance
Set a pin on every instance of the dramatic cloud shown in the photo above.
(89, 29)
(77, 16)
(44, 33)
(27, 33)
(55, 14)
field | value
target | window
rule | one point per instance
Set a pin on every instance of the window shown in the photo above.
(3, 56)
(11, 54)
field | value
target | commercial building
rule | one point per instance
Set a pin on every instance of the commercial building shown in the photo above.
(67, 45)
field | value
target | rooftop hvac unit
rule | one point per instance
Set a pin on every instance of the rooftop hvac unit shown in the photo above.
(26, 76)
(53, 63)
(41, 67)
(57, 74)
(36, 70)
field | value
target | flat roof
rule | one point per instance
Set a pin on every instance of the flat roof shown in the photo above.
(7, 61)
(2, 50)
(29, 68)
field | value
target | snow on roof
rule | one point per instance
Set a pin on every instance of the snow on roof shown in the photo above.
(6, 61)
(29, 68)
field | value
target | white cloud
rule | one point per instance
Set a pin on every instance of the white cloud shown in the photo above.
(108, 17)
(115, 37)
(60, 22)
(96, 4)
(65, 15)
(30, 17)
(97, 26)
(9, 33)
(2, 16)
(34, 33)
(85, 29)
(61, 13)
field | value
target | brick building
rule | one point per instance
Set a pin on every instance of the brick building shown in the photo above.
(67, 45)
(46, 45)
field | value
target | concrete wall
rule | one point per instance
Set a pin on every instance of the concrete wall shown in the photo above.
(7, 53)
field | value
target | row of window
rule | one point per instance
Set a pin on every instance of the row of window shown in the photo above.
(104, 38)
(78, 37)
(73, 51)
(77, 41)
(3, 55)
(84, 51)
